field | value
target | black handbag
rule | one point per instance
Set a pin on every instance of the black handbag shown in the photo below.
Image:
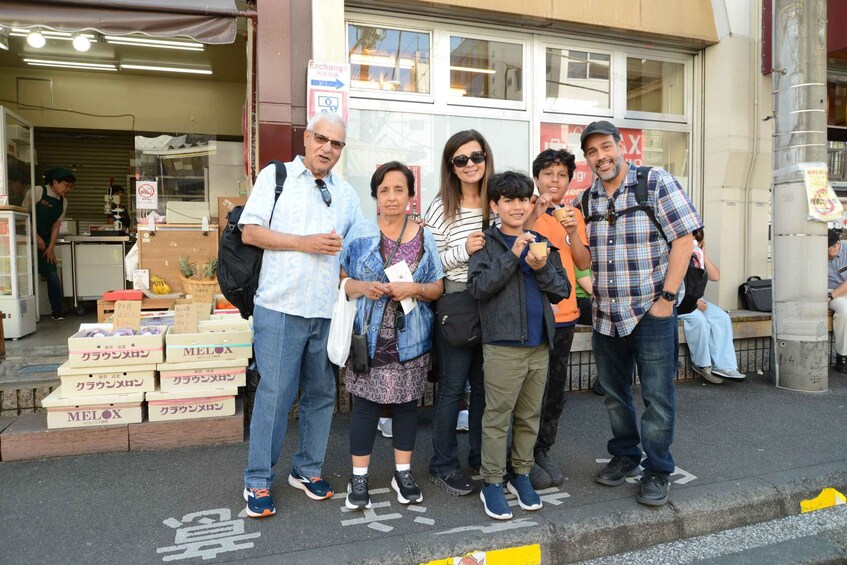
(458, 314)
(359, 361)
(756, 294)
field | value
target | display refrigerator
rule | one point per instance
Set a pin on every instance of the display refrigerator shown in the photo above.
(17, 292)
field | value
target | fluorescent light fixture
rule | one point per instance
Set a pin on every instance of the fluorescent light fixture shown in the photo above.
(473, 70)
(35, 39)
(57, 63)
(82, 43)
(380, 61)
(48, 34)
(4, 39)
(159, 43)
(166, 69)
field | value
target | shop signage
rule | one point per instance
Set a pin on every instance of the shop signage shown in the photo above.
(146, 195)
(824, 205)
(328, 87)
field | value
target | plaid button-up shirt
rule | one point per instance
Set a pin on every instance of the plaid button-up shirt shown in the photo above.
(629, 259)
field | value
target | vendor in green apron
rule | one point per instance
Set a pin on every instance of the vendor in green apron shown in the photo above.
(50, 208)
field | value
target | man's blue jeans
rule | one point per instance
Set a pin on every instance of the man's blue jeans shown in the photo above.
(54, 291)
(290, 353)
(458, 366)
(652, 347)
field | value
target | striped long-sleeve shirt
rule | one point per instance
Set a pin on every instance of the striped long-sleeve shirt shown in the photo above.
(450, 237)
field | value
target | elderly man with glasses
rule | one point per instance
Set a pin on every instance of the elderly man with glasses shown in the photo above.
(298, 284)
(50, 208)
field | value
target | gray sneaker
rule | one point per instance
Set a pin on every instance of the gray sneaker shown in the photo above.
(543, 460)
(706, 373)
(730, 374)
(539, 478)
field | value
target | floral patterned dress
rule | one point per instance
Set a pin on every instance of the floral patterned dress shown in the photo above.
(389, 380)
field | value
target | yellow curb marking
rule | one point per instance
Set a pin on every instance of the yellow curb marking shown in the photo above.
(522, 555)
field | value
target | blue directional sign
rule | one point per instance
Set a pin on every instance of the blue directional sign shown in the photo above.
(329, 83)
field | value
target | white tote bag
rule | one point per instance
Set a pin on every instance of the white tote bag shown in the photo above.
(341, 327)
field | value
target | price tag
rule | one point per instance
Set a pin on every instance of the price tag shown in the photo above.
(203, 293)
(127, 314)
(185, 319)
(203, 309)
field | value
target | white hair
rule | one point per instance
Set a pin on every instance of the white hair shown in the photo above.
(330, 117)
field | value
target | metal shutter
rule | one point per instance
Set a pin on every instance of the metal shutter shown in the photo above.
(94, 157)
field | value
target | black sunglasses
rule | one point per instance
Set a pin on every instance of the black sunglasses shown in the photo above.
(325, 195)
(462, 160)
(611, 216)
(400, 319)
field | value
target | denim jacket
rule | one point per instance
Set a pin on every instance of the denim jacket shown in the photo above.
(496, 280)
(362, 261)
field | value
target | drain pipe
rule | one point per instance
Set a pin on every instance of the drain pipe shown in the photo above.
(754, 120)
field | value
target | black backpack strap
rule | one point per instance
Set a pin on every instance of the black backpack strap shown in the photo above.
(281, 175)
(641, 192)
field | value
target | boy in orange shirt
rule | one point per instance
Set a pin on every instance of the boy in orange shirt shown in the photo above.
(552, 171)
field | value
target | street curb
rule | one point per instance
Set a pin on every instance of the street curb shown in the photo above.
(575, 534)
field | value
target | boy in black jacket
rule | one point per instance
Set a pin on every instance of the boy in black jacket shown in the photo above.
(515, 278)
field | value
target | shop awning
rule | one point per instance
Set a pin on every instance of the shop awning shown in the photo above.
(207, 21)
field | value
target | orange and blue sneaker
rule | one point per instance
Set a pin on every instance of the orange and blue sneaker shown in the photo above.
(259, 502)
(315, 487)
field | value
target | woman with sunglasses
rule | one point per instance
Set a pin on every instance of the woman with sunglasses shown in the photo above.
(399, 328)
(457, 217)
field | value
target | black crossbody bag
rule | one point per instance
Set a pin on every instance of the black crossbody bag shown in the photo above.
(359, 360)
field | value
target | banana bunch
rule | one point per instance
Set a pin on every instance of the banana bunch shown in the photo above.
(158, 285)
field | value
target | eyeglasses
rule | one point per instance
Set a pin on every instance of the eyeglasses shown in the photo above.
(322, 140)
(400, 319)
(462, 160)
(325, 195)
(611, 216)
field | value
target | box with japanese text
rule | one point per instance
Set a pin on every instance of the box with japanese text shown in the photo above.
(106, 380)
(190, 404)
(215, 340)
(202, 375)
(85, 411)
(98, 345)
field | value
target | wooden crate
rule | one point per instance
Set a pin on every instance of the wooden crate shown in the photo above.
(28, 438)
(160, 251)
(105, 308)
(185, 433)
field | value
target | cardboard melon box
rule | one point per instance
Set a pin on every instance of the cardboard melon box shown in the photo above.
(190, 404)
(110, 351)
(85, 411)
(215, 340)
(202, 375)
(106, 380)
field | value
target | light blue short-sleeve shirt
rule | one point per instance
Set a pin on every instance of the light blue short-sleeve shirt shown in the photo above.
(293, 282)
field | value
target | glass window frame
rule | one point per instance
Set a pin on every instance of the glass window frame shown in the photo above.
(665, 57)
(398, 25)
(542, 44)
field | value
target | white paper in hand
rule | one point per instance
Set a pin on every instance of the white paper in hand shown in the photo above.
(399, 272)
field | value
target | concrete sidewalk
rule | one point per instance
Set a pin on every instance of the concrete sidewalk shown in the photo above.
(746, 453)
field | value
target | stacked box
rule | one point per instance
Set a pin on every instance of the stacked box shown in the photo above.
(85, 350)
(93, 410)
(190, 404)
(215, 340)
(202, 375)
(96, 381)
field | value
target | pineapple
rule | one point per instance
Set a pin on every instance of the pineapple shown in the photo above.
(186, 267)
(210, 269)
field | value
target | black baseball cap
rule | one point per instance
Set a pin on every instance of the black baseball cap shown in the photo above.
(600, 126)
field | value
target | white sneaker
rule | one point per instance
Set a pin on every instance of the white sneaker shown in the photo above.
(462, 421)
(385, 426)
(731, 374)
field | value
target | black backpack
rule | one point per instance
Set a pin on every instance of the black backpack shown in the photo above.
(239, 264)
(643, 175)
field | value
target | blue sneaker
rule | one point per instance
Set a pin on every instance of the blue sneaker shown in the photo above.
(259, 502)
(315, 487)
(520, 486)
(494, 500)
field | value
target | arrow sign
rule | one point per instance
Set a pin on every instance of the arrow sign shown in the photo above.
(336, 84)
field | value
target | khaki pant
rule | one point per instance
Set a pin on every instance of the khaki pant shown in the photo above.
(514, 386)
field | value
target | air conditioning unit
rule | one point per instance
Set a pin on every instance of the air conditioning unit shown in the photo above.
(18, 133)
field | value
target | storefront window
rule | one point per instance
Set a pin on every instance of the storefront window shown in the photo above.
(655, 86)
(665, 149)
(394, 60)
(577, 81)
(837, 101)
(486, 69)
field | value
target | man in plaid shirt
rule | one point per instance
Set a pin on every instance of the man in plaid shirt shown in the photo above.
(638, 275)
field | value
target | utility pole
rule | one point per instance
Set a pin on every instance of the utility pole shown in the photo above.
(801, 341)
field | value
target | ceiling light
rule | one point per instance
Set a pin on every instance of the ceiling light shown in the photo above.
(82, 43)
(58, 63)
(4, 39)
(159, 43)
(35, 39)
(50, 34)
(473, 70)
(166, 69)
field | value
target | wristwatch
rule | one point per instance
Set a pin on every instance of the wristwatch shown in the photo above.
(668, 295)
(829, 294)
